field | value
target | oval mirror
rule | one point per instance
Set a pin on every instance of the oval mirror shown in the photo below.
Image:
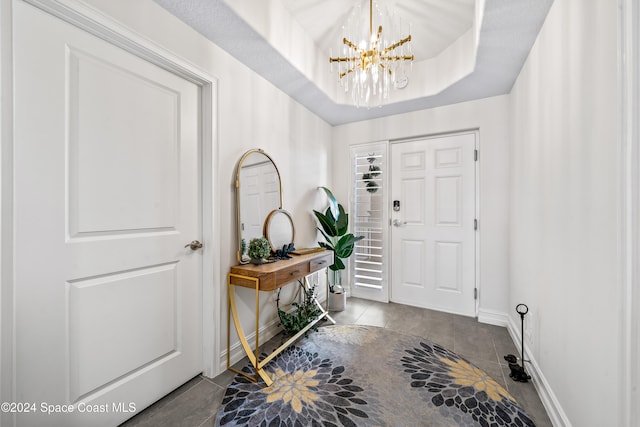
(278, 229)
(258, 192)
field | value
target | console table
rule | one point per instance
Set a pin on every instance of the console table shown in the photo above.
(269, 277)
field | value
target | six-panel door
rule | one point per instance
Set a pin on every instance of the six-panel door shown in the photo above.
(433, 237)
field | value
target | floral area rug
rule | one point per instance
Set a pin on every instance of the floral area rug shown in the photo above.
(368, 376)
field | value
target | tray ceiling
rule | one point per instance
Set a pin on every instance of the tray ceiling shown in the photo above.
(465, 49)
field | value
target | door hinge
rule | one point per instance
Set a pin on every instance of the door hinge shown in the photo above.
(475, 155)
(475, 224)
(475, 293)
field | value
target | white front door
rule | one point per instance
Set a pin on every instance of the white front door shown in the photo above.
(433, 233)
(107, 177)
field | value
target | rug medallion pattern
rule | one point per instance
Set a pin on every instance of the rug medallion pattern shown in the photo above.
(368, 376)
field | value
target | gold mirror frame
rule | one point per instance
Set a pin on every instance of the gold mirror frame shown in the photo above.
(238, 183)
(284, 229)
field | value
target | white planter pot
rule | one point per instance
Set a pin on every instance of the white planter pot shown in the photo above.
(337, 302)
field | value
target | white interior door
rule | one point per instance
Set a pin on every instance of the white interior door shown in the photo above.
(433, 233)
(107, 194)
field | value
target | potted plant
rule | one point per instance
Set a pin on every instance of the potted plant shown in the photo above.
(370, 177)
(259, 250)
(335, 225)
(303, 313)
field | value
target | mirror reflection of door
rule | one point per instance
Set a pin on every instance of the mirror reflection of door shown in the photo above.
(259, 194)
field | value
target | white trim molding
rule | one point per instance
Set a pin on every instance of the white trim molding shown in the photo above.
(492, 317)
(6, 208)
(551, 403)
(629, 183)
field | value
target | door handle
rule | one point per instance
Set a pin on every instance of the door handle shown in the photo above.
(195, 245)
(399, 223)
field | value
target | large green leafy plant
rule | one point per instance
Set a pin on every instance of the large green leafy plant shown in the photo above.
(334, 225)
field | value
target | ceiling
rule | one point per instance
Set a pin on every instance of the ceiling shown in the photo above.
(464, 49)
(448, 20)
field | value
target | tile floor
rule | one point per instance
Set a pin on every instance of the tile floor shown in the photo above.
(196, 403)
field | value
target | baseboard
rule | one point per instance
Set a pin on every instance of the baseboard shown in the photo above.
(493, 317)
(556, 414)
(267, 332)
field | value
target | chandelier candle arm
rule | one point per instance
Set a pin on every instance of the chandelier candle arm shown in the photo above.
(352, 45)
(398, 44)
(344, 73)
(399, 58)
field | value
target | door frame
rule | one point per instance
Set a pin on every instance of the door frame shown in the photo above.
(629, 178)
(88, 19)
(476, 133)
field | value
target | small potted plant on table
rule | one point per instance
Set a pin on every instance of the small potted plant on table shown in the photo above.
(259, 250)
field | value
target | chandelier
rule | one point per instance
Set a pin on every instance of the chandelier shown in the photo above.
(370, 66)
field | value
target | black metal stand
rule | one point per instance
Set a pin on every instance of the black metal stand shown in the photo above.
(518, 372)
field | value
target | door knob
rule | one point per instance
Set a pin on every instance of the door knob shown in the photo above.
(195, 245)
(399, 223)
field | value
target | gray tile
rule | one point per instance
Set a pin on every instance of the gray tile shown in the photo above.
(224, 379)
(405, 311)
(493, 329)
(438, 324)
(441, 338)
(345, 317)
(438, 331)
(209, 422)
(405, 324)
(165, 401)
(465, 323)
(374, 316)
(405, 319)
(356, 306)
(504, 345)
(475, 344)
(189, 408)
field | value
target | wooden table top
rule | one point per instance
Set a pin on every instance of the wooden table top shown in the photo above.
(277, 274)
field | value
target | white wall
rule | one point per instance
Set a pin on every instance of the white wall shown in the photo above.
(252, 113)
(565, 209)
(490, 117)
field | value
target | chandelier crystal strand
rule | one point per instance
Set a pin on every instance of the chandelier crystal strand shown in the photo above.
(372, 54)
